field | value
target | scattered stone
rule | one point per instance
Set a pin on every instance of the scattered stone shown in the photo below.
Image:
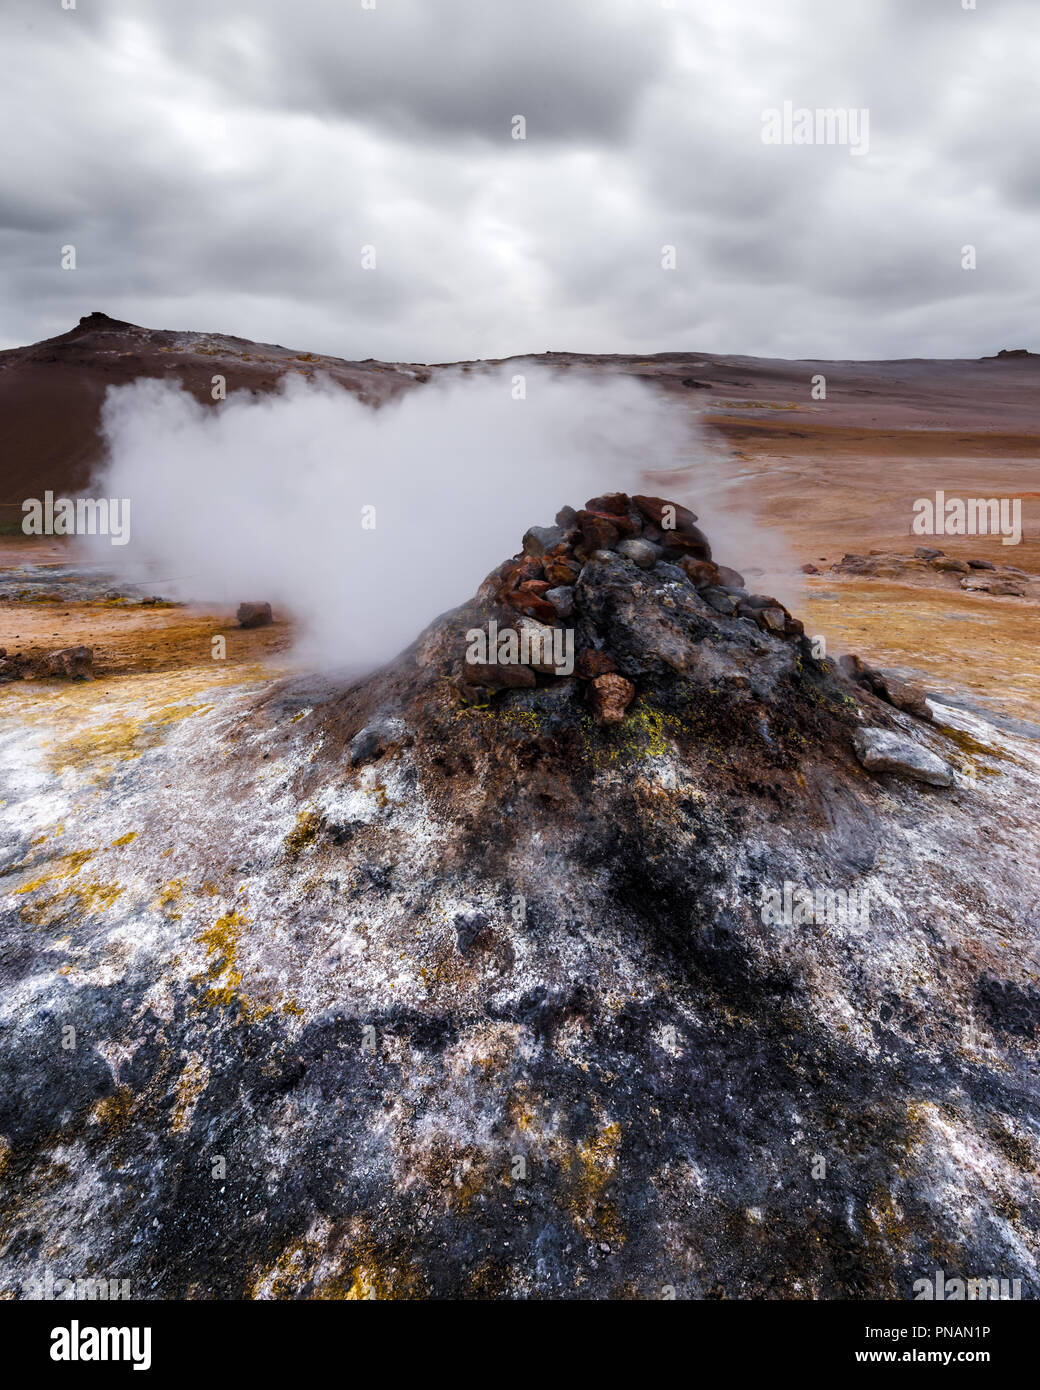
(882, 750)
(809, 569)
(70, 663)
(948, 565)
(925, 552)
(254, 614)
(611, 697)
(999, 587)
(902, 694)
(981, 565)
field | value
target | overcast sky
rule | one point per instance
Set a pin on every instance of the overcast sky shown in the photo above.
(219, 165)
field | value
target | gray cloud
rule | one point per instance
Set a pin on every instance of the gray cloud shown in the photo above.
(221, 167)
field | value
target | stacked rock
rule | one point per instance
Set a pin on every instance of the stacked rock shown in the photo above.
(657, 536)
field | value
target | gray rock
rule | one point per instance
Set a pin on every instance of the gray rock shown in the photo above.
(642, 553)
(721, 601)
(925, 552)
(373, 739)
(539, 540)
(254, 614)
(665, 570)
(562, 599)
(882, 750)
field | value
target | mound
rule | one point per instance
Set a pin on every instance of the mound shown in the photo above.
(619, 981)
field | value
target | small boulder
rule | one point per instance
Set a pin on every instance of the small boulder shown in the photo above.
(539, 540)
(642, 553)
(925, 552)
(981, 565)
(70, 663)
(702, 574)
(254, 614)
(722, 602)
(948, 565)
(981, 584)
(882, 750)
(611, 696)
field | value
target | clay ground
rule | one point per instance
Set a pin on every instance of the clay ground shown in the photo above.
(831, 490)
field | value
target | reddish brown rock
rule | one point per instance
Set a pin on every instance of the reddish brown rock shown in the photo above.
(653, 509)
(611, 697)
(592, 663)
(702, 573)
(729, 578)
(597, 533)
(70, 663)
(616, 503)
(690, 541)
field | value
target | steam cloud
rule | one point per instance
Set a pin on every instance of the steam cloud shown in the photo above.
(261, 498)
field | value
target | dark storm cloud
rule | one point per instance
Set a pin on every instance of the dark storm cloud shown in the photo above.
(221, 167)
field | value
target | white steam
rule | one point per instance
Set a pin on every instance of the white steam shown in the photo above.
(261, 498)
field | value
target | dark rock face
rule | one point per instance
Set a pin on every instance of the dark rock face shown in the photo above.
(517, 996)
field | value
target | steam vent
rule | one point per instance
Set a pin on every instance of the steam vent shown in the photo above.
(608, 942)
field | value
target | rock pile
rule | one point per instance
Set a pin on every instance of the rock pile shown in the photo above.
(935, 566)
(563, 575)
